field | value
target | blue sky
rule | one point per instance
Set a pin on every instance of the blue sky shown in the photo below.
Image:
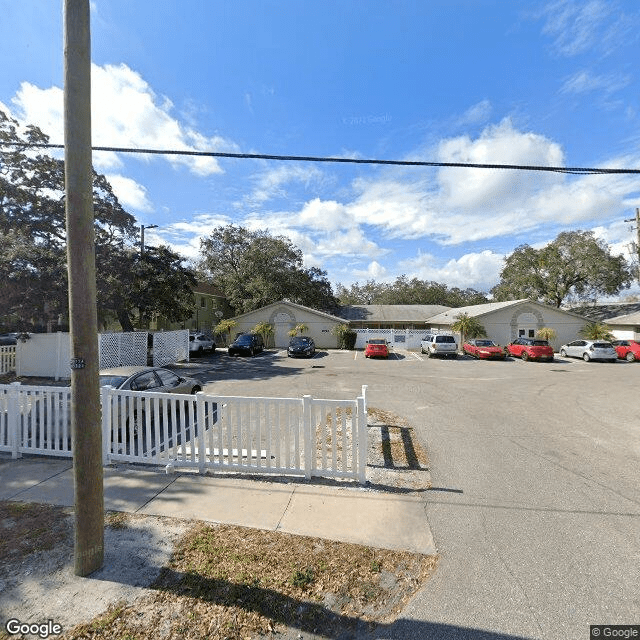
(485, 81)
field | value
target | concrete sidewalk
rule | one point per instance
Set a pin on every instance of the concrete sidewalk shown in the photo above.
(373, 518)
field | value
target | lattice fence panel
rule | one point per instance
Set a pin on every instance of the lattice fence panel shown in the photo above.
(170, 346)
(123, 349)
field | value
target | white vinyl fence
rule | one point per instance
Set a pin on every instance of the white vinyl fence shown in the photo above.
(287, 436)
(7, 359)
(399, 338)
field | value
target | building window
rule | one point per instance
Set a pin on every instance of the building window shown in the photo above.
(203, 303)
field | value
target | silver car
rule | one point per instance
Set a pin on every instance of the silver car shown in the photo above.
(589, 350)
(139, 378)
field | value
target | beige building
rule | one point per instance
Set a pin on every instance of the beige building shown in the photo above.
(506, 321)
(284, 316)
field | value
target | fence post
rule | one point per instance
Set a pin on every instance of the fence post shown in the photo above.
(13, 419)
(105, 400)
(363, 444)
(364, 395)
(202, 451)
(307, 436)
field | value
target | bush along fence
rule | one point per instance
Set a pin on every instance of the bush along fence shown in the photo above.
(286, 436)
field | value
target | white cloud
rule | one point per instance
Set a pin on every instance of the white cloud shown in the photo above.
(374, 271)
(475, 114)
(271, 183)
(130, 193)
(580, 26)
(126, 112)
(479, 271)
(585, 82)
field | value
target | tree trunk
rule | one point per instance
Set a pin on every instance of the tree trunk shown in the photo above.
(124, 320)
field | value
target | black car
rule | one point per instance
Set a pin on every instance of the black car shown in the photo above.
(246, 344)
(301, 347)
(7, 339)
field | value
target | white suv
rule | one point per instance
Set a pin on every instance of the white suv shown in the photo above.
(201, 342)
(439, 344)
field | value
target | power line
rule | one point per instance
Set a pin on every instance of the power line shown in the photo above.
(401, 163)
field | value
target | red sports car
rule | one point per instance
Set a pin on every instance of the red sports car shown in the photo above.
(376, 348)
(627, 349)
(484, 349)
(530, 349)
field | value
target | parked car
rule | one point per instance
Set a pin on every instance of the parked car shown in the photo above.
(246, 344)
(139, 378)
(8, 339)
(376, 348)
(484, 349)
(589, 350)
(627, 349)
(201, 342)
(301, 346)
(439, 344)
(531, 349)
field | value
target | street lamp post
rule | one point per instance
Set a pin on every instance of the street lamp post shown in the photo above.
(142, 228)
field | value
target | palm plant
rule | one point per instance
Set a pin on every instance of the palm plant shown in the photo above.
(299, 328)
(224, 328)
(468, 327)
(265, 330)
(596, 331)
(546, 333)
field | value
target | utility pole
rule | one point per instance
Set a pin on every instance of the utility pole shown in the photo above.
(637, 243)
(85, 392)
(142, 228)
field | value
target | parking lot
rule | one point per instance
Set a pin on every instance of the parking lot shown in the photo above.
(535, 467)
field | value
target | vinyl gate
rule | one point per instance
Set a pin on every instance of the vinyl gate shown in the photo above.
(7, 359)
(286, 436)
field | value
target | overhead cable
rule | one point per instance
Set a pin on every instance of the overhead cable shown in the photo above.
(401, 163)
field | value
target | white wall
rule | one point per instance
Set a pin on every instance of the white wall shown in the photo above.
(45, 355)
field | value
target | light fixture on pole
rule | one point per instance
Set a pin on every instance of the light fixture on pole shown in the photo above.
(142, 228)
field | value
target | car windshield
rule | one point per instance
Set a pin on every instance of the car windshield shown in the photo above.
(299, 342)
(540, 343)
(444, 339)
(112, 381)
(244, 339)
(377, 342)
(602, 345)
(485, 343)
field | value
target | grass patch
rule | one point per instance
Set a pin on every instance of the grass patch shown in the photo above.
(28, 527)
(231, 583)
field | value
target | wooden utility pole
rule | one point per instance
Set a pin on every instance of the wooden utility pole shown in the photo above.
(85, 392)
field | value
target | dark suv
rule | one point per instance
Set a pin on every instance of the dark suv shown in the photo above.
(246, 344)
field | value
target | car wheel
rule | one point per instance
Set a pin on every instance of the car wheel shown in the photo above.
(563, 353)
(525, 356)
(421, 350)
(195, 390)
(630, 357)
(585, 357)
(252, 352)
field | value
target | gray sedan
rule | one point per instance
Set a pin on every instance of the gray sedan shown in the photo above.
(140, 378)
(589, 350)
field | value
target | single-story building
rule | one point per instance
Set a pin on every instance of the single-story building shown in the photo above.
(506, 321)
(390, 316)
(625, 327)
(284, 316)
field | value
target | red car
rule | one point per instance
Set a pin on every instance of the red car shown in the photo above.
(484, 349)
(531, 349)
(627, 349)
(376, 348)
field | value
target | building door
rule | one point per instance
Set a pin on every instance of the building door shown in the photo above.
(282, 322)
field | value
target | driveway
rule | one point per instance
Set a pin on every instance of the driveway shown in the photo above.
(535, 505)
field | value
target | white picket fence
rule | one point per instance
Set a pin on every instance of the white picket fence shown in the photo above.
(286, 436)
(7, 359)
